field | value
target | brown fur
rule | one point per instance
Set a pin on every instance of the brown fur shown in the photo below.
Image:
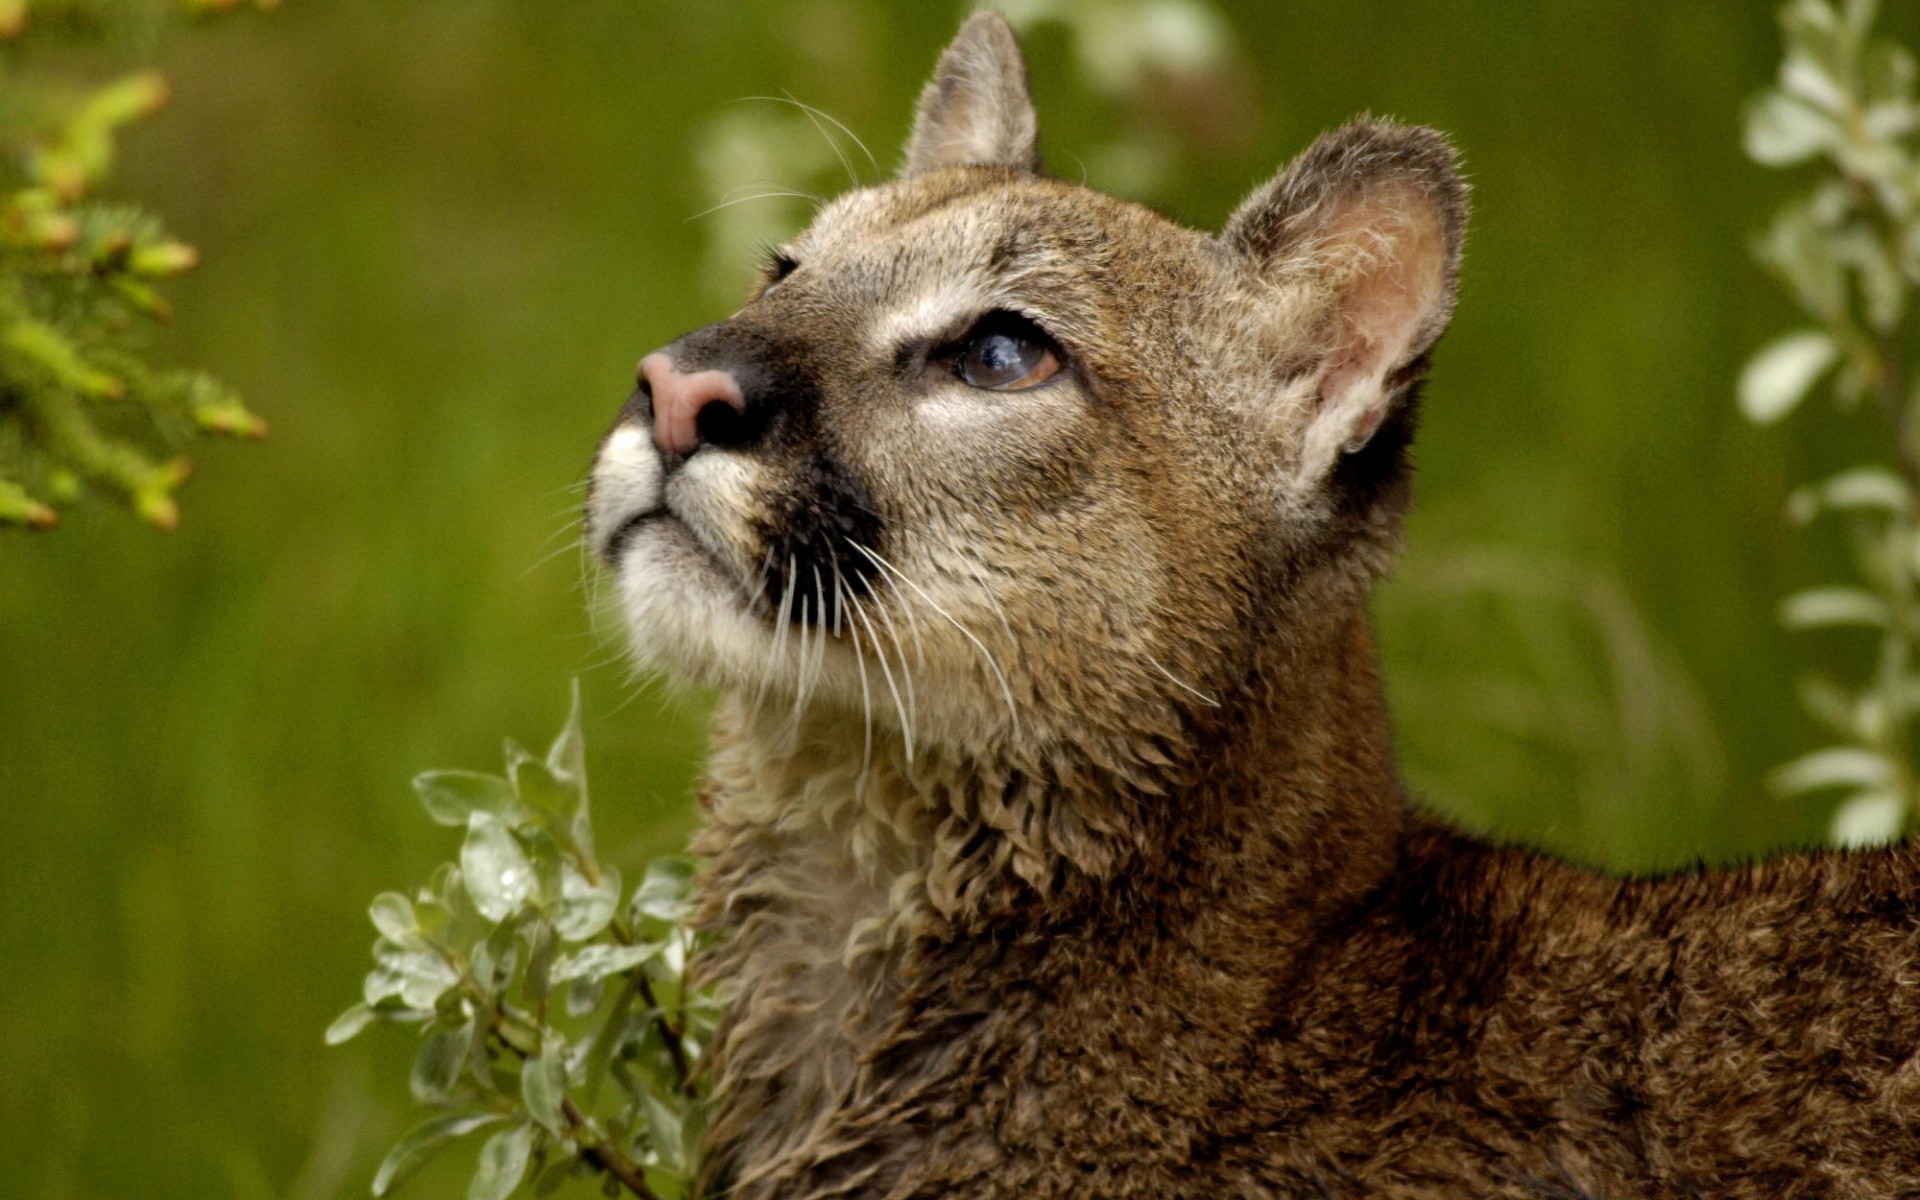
(1052, 820)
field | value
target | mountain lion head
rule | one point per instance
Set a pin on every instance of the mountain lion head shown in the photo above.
(995, 463)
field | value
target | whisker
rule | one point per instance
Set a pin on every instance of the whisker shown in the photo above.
(788, 98)
(846, 164)
(886, 673)
(906, 677)
(866, 694)
(1006, 690)
(767, 195)
(1182, 684)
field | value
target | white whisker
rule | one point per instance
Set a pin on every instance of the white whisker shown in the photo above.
(1182, 684)
(886, 672)
(1006, 690)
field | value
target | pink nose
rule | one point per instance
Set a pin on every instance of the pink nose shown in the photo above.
(679, 399)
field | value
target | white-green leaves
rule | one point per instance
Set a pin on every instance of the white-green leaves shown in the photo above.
(1818, 607)
(421, 1143)
(451, 797)
(1849, 251)
(1836, 766)
(498, 876)
(1869, 819)
(476, 957)
(1777, 379)
(503, 1164)
(1783, 130)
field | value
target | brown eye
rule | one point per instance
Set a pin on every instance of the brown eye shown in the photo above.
(1006, 354)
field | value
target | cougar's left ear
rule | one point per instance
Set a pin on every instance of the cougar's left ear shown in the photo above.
(1368, 221)
(976, 111)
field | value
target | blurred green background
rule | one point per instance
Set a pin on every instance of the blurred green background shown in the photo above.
(437, 235)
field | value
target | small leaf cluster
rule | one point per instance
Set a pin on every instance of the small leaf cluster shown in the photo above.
(1848, 251)
(81, 408)
(553, 1005)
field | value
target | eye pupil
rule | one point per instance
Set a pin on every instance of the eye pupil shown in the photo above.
(1006, 359)
(1000, 354)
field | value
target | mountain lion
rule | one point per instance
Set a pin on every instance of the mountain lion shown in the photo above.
(1052, 822)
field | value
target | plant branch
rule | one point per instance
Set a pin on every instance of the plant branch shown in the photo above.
(600, 1154)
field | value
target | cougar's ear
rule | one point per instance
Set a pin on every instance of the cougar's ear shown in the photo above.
(1368, 221)
(976, 111)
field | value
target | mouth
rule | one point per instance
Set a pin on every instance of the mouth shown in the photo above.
(623, 534)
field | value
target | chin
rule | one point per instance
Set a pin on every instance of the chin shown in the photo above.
(686, 616)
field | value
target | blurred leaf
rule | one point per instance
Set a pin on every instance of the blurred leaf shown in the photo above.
(585, 909)
(600, 961)
(1777, 378)
(584, 995)
(543, 1084)
(437, 1066)
(1872, 818)
(663, 891)
(421, 1143)
(422, 974)
(1838, 766)
(1822, 607)
(567, 757)
(664, 1133)
(451, 797)
(1782, 130)
(348, 1024)
(1865, 488)
(541, 942)
(503, 1163)
(392, 915)
(1828, 704)
(546, 793)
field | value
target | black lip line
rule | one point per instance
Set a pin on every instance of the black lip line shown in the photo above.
(617, 543)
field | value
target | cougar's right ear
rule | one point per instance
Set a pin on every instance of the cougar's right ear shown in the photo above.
(1368, 223)
(976, 112)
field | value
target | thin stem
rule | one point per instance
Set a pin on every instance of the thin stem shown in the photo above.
(623, 933)
(607, 1157)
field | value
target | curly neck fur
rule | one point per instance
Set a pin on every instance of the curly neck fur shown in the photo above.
(852, 883)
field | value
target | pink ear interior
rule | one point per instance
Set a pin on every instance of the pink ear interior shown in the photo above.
(1384, 258)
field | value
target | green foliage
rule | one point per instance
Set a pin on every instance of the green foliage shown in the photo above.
(81, 408)
(1849, 252)
(550, 1011)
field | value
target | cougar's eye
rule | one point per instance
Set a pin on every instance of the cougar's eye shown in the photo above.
(1006, 353)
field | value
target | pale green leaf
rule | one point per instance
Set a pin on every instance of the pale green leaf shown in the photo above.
(1783, 130)
(349, 1023)
(543, 1083)
(393, 916)
(450, 797)
(662, 894)
(586, 908)
(1866, 488)
(546, 792)
(1821, 607)
(567, 757)
(1872, 818)
(421, 1143)
(664, 1133)
(497, 874)
(503, 1163)
(600, 961)
(437, 1066)
(1837, 766)
(1777, 378)
(423, 975)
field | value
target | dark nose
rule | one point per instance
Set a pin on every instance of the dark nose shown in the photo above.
(690, 410)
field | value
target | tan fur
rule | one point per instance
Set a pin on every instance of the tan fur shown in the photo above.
(1051, 821)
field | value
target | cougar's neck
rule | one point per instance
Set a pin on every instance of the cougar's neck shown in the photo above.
(1286, 778)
